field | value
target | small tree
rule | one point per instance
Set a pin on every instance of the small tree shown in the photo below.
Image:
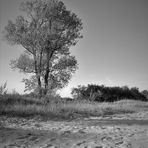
(3, 89)
(145, 93)
(46, 32)
(79, 92)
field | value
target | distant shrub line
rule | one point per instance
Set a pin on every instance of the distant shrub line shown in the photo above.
(102, 93)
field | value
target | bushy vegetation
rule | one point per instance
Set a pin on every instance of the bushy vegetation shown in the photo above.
(61, 108)
(145, 93)
(56, 107)
(102, 93)
(3, 89)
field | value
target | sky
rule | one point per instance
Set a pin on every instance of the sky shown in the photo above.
(113, 51)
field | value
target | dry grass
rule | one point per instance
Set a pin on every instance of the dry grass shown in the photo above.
(25, 107)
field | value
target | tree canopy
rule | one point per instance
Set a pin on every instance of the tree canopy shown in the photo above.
(47, 32)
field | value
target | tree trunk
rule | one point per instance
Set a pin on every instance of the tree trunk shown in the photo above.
(48, 57)
(38, 77)
(46, 81)
(39, 86)
(46, 74)
(46, 84)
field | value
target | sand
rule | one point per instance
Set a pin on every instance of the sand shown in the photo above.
(118, 131)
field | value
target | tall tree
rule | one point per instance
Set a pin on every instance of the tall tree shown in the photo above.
(47, 31)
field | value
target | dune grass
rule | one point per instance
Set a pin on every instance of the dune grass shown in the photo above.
(30, 107)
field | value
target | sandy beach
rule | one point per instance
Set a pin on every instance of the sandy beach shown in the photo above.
(118, 131)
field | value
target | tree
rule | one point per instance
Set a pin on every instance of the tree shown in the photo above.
(145, 93)
(90, 92)
(79, 92)
(47, 32)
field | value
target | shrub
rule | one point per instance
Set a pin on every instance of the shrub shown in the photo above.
(109, 94)
(3, 89)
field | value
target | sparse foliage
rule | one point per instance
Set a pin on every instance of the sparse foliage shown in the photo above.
(3, 89)
(78, 92)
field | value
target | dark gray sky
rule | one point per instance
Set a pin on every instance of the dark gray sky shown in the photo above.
(114, 50)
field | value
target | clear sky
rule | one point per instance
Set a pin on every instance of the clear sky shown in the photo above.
(113, 52)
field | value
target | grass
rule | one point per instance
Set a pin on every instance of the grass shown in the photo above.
(29, 107)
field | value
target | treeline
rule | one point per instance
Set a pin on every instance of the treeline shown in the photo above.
(102, 93)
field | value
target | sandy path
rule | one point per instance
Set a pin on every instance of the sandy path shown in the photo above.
(87, 133)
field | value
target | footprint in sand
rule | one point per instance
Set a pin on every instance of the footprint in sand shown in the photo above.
(80, 143)
(105, 138)
(49, 146)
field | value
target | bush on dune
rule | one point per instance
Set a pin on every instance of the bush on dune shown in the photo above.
(102, 93)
